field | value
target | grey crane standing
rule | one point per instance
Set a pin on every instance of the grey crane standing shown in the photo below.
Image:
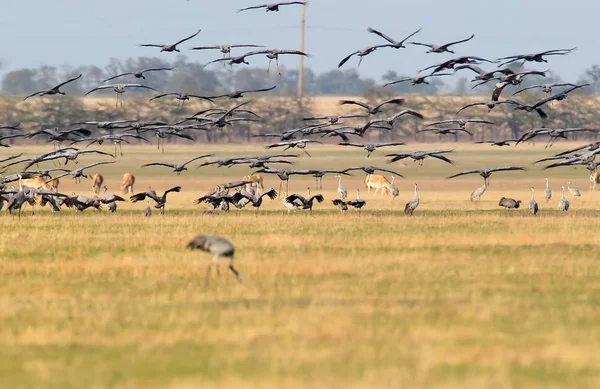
(548, 193)
(147, 211)
(410, 207)
(218, 247)
(394, 191)
(477, 193)
(342, 191)
(563, 203)
(533, 205)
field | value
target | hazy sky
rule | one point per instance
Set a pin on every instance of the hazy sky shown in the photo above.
(38, 32)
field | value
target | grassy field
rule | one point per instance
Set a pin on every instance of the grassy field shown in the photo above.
(461, 295)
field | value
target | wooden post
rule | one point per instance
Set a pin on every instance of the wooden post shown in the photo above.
(299, 92)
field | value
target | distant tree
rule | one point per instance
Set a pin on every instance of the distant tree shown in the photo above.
(254, 78)
(338, 82)
(20, 82)
(462, 87)
(192, 78)
(591, 76)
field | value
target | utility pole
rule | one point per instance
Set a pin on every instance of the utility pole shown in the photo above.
(301, 64)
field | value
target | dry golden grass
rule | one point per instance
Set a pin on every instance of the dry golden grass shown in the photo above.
(460, 295)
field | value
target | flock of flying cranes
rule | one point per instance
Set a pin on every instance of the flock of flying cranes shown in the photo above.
(247, 193)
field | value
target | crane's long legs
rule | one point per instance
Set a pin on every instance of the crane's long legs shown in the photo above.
(207, 273)
(237, 274)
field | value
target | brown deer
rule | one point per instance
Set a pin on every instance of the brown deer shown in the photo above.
(377, 182)
(127, 184)
(256, 180)
(37, 183)
(97, 181)
(594, 179)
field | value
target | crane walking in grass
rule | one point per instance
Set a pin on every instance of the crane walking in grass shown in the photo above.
(477, 193)
(218, 247)
(575, 192)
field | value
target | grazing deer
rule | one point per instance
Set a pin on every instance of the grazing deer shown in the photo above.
(594, 179)
(377, 182)
(38, 183)
(97, 181)
(127, 184)
(256, 180)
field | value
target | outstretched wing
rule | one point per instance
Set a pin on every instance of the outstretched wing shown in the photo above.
(506, 168)
(95, 164)
(33, 94)
(174, 189)
(398, 101)
(351, 144)
(343, 61)
(172, 166)
(397, 81)
(117, 76)
(100, 88)
(381, 34)
(188, 38)
(259, 90)
(464, 173)
(165, 94)
(252, 7)
(68, 81)
(198, 157)
(353, 102)
(441, 157)
(445, 46)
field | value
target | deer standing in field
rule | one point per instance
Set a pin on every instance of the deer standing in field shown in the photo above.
(594, 179)
(39, 183)
(377, 182)
(97, 181)
(127, 183)
(257, 181)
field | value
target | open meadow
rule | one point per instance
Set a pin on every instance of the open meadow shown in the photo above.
(462, 294)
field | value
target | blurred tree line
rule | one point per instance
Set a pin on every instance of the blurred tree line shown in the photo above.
(280, 110)
(192, 77)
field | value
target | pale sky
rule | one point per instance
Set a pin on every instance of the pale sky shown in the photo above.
(82, 32)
